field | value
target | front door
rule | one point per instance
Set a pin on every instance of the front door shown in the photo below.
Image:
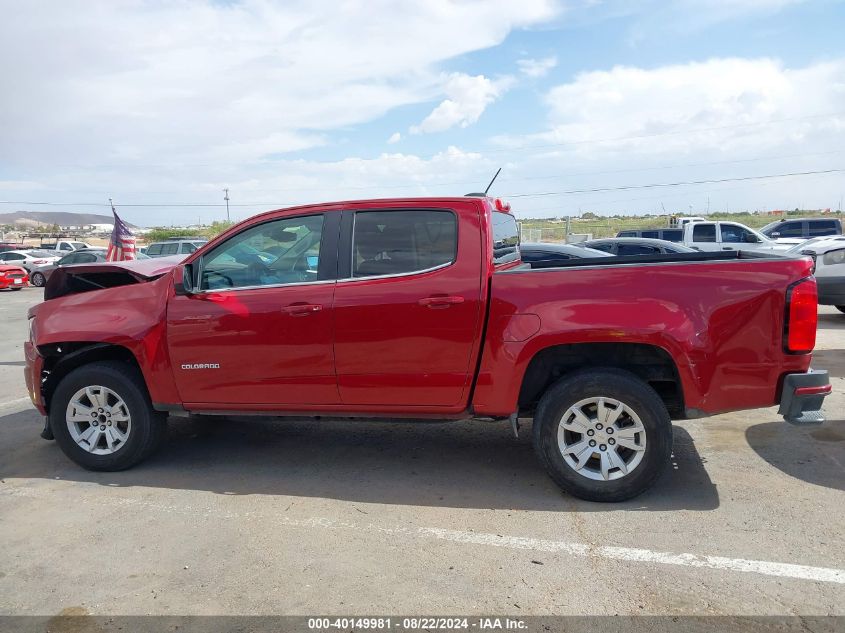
(408, 313)
(259, 329)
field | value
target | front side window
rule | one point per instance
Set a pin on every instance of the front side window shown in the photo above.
(170, 249)
(402, 242)
(790, 229)
(735, 234)
(66, 247)
(704, 233)
(280, 252)
(673, 235)
(187, 247)
(85, 258)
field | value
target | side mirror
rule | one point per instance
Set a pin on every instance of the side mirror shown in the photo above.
(750, 238)
(184, 285)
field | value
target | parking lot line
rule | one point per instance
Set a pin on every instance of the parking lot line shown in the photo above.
(583, 550)
(16, 402)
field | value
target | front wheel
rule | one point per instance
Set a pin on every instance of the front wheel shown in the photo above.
(102, 418)
(37, 279)
(603, 435)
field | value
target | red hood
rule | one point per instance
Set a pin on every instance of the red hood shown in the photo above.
(140, 268)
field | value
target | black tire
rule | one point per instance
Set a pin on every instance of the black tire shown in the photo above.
(148, 429)
(840, 308)
(609, 383)
(37, 279)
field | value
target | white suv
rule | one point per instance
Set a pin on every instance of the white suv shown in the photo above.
(829, 255)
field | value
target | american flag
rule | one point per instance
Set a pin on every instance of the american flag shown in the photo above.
(122, 243)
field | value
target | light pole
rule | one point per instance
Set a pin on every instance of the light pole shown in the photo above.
(226, 198)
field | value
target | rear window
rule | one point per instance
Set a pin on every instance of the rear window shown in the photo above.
(704, 233)
(402, 242)
(505, 238)
(823, 227)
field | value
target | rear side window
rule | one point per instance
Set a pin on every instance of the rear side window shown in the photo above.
(505, 238)
(651, 234)
(154, 249)
(543, 256)
(823, 227)
(704, 233)
(607, 247)
(170, 249)
(84, 258)
(637, 249)
(673, 235)
(402, 242)
(627, 234)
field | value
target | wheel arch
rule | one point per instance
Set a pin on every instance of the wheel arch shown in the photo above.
(62, 358)
(651, 363)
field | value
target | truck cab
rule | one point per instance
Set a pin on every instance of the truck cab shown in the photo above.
(729, 236)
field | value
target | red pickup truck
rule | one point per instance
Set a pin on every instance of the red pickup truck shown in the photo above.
(421, 309)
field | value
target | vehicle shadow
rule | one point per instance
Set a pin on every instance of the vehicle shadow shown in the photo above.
(831, 321)
(814, 454)
(452, 464)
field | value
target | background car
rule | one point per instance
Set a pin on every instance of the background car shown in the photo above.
(802, 228)
(637, 246)
(29, 259)
(39, 276)
(12, 277)
(670, 235)
(829, 255)
(541, 252)
(181, 246)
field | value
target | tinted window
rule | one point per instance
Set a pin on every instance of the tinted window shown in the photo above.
(68, 259)
(505, 238)
(13, 256)
(789, 229)
(78, 245)
(397, 242)
(626, 234)
(187, 247)
(84, 258)
(170, 249)
(154, 249)
(542, 256)
(673, 235)
(66, 247)
(637, 249)
(734, 234)
(270, 254)
(704, 233)
(651, 234)
(823, 227)
(607, 247)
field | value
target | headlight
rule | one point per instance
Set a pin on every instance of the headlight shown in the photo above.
(834, 257)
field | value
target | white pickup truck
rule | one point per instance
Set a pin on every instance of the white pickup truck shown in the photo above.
(64, 246)
(730, 236)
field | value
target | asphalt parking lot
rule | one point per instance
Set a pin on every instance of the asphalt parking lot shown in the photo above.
(298, 517)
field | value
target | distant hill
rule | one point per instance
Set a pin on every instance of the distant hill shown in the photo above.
(62, 218)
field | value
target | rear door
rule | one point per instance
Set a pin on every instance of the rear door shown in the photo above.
(704, 236)
(408, 306)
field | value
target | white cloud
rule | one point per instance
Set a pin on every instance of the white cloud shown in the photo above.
(467, 98)
(199, 82)
(394, 138)
(658, 110)
(535, 68)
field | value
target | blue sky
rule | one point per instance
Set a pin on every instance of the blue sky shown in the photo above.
(161, 105)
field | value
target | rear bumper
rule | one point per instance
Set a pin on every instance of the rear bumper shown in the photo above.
(803, 395)
(831, 290)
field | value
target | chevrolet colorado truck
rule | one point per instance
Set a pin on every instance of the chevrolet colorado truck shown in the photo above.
(422, 309)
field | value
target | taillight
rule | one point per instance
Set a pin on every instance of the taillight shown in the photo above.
(802, 301)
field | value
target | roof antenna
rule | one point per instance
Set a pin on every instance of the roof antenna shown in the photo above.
(498, 171)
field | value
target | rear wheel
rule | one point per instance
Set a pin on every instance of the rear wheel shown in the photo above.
(37, 279)
(603, 435)
(102, 418)
(840, 308)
